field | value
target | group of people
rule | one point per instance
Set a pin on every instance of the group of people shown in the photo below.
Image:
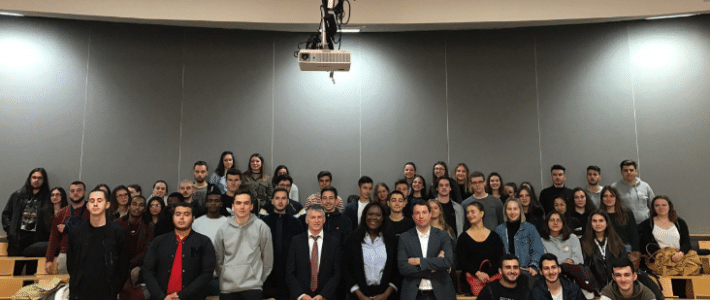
(247, 235)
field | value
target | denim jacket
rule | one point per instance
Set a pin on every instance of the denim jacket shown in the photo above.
(528, 245)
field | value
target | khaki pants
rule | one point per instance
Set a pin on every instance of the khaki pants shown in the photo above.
(61, 262)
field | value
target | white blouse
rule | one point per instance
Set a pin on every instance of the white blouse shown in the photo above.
(667, 238)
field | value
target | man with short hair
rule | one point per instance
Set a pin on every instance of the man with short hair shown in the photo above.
(635, 194)
(65, 218)
(22, 218)
(233, 178)
(139, 234)
(214, 219)
(510, 286)
(180, 263)
(325, 179)
(292, 206)
(625, 286)
(492, 205)
(403, 187)
(97, 253)
(313, 263)
(354, 209)
(187, 189)
(336, 224)
(284, 226)
(594, 189)
(558, 188)
(244, 251)
(424, 257)
(201, 186)
(554, 287)
(453, 212)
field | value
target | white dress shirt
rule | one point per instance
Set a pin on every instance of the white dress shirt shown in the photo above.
(424, 243)
(360, 208)
(374, 258)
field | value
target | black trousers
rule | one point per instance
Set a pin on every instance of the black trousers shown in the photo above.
(243, 295)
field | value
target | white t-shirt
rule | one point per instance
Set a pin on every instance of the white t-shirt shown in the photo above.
(208, 226)
(558, 296)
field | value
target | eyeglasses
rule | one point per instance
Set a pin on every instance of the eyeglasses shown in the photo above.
(155, 205)
(121, 195)
(438, 169)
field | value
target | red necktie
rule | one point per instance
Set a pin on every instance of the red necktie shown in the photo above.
(314, 264)
(175, 282)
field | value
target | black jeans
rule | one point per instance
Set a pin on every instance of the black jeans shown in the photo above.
(243, 295)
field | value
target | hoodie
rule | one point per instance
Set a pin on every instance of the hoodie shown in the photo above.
(641, 292)
(637, 197)
(245, 255)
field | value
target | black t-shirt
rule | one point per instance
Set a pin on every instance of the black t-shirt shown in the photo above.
(402, 226)
(96, 283)
(496, 291)
(450, 215)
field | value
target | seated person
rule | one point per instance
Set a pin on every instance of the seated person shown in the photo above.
(664, 229)
(476, 245)
(625, 286)
(601, 245)
(520, 237)
(554, 286)
(558, 240)
(622, 219)
(510, 286)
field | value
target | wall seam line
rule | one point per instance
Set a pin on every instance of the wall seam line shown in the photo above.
(446, 96)
(273, 96)
(182, 100)
(633, 97)
(86, 101)
(537, 101)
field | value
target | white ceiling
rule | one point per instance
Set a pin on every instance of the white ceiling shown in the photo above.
(369, 15)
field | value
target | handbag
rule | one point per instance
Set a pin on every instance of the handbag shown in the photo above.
(581, 275)
(662, 264)
(477, 285)
(39, 291)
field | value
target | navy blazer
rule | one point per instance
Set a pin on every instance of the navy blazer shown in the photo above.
(298, 267)
(432, 267)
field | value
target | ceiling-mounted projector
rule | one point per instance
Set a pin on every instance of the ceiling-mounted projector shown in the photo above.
(324, 60)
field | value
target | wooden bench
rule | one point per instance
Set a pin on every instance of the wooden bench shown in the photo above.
(697, 287)
(9, 285)
(7, 264)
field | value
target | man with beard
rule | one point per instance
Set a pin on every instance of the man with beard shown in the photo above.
(424, 256)
(139, 234)
(179, 264)
(292, 207)
(187, 189)
(283, 228)
(509, 286)
(97, 253)
(554, 287)
(63, 221)
(21, 215)
(201, 186)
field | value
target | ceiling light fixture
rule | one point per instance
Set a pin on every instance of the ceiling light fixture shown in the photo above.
(670, 16)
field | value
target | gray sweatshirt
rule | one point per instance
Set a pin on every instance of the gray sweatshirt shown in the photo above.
(636, 198)
(569, 249)
(245, 255)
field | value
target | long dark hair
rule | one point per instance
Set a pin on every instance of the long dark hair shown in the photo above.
(276, 173)
(361, 230)
(545, 234)
(147, 217)
(433, 173)
(424, 196)
(43, 190)
(619, 209)
(588, 205)
(672, 214)
(501, 189)
(614, 243)
(248, 173)
(48, 207)
(220, 167)
(113, 209)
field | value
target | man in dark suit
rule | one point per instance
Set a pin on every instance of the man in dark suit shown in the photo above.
(313, 264)
(424, 257)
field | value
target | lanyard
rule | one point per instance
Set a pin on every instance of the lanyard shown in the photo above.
(602, 248)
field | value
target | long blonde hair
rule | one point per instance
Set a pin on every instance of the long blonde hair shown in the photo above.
(445, 226)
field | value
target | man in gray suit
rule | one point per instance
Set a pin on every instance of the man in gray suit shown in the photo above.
(424, 257)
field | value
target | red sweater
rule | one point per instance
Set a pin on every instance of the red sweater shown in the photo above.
(58, 241)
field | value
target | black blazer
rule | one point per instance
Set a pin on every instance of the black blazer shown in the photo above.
(298, 267)
(355, 270)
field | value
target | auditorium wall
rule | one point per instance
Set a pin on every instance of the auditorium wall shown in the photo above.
(126, 103)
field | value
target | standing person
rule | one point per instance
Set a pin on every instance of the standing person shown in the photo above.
(135, 190)
(554, 286)
(418, 192)
(97, 254)
(293, 192)
(520, 237)
(495, 186)
(139, 234)
(353, 210)
(382, 192)
(491, 204)
(601, 246)
(440, 170)
(21, 218)
(244, 252)
(453, 212)
(293, 206)
(424, 257)
(325, 179)
(371, 257)
(461, 175)
(226, 162)
(633, 192)
(187, 189)
(548, 195)
(216, 216)
(511, 189)
(201, 186)
(510, 286)
(58, 199)
(410, 170)
(622, 219)
(233, 181)
(399, 223)
(179, 264)
(160, 189)
(313, 264)
(258, 182)
(155, 210)
(284, 226)
(476, 245)
(336, 224)
(625, 285)
(581, 208)
(63, 222)
(593, 188)
(120, 202)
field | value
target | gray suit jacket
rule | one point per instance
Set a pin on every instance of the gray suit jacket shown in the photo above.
(432, 267)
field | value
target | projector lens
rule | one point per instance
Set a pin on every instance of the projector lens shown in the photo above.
(305, 56)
